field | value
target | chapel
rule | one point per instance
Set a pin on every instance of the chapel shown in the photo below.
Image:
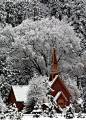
(61, 93)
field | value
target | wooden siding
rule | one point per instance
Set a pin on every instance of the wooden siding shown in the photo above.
(12, 100)
(57, 86)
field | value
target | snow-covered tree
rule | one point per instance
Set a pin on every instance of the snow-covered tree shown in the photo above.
(71, 84)
(70, 112)
(14, 12)
(37, 111)
(76, 106)
(34, 45)
(80, 115)
(36, 92)
(13, 112)
(73, 11)
(2, 105)
(50, 110)
(41, 38)
(2, 116)
(41, 98)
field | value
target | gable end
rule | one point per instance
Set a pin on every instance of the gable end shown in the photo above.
(58, 78)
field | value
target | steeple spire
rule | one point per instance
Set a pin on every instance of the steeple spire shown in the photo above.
(54, 59)
(54, 66)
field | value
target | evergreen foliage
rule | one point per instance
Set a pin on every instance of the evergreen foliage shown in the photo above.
(37, 111)
(70, 112)
(13, 112)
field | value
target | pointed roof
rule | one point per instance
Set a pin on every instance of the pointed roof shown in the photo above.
(59, 79)
(58, 95)
(54, 58)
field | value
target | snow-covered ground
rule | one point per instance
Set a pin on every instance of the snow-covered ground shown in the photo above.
(60, 117)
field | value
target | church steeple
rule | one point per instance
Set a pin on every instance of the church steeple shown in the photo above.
(54, 66)
(54, 59)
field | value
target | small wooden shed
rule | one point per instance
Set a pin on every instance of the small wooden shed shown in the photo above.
(18, 95)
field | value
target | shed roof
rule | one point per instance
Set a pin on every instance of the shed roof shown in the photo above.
(20, 92)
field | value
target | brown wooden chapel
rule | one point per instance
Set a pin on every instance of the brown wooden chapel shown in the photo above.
(61, 93)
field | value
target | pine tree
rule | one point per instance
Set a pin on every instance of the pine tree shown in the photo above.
(80, 115)
(37, 111)
(2, 116)
(70, 112)
(13, 112)
(51, 111)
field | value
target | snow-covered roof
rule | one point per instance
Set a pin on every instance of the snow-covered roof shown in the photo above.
(54, 79)
(59, 108)
(58, 78)
(58, 94)
(51, 82)
(20, 92)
